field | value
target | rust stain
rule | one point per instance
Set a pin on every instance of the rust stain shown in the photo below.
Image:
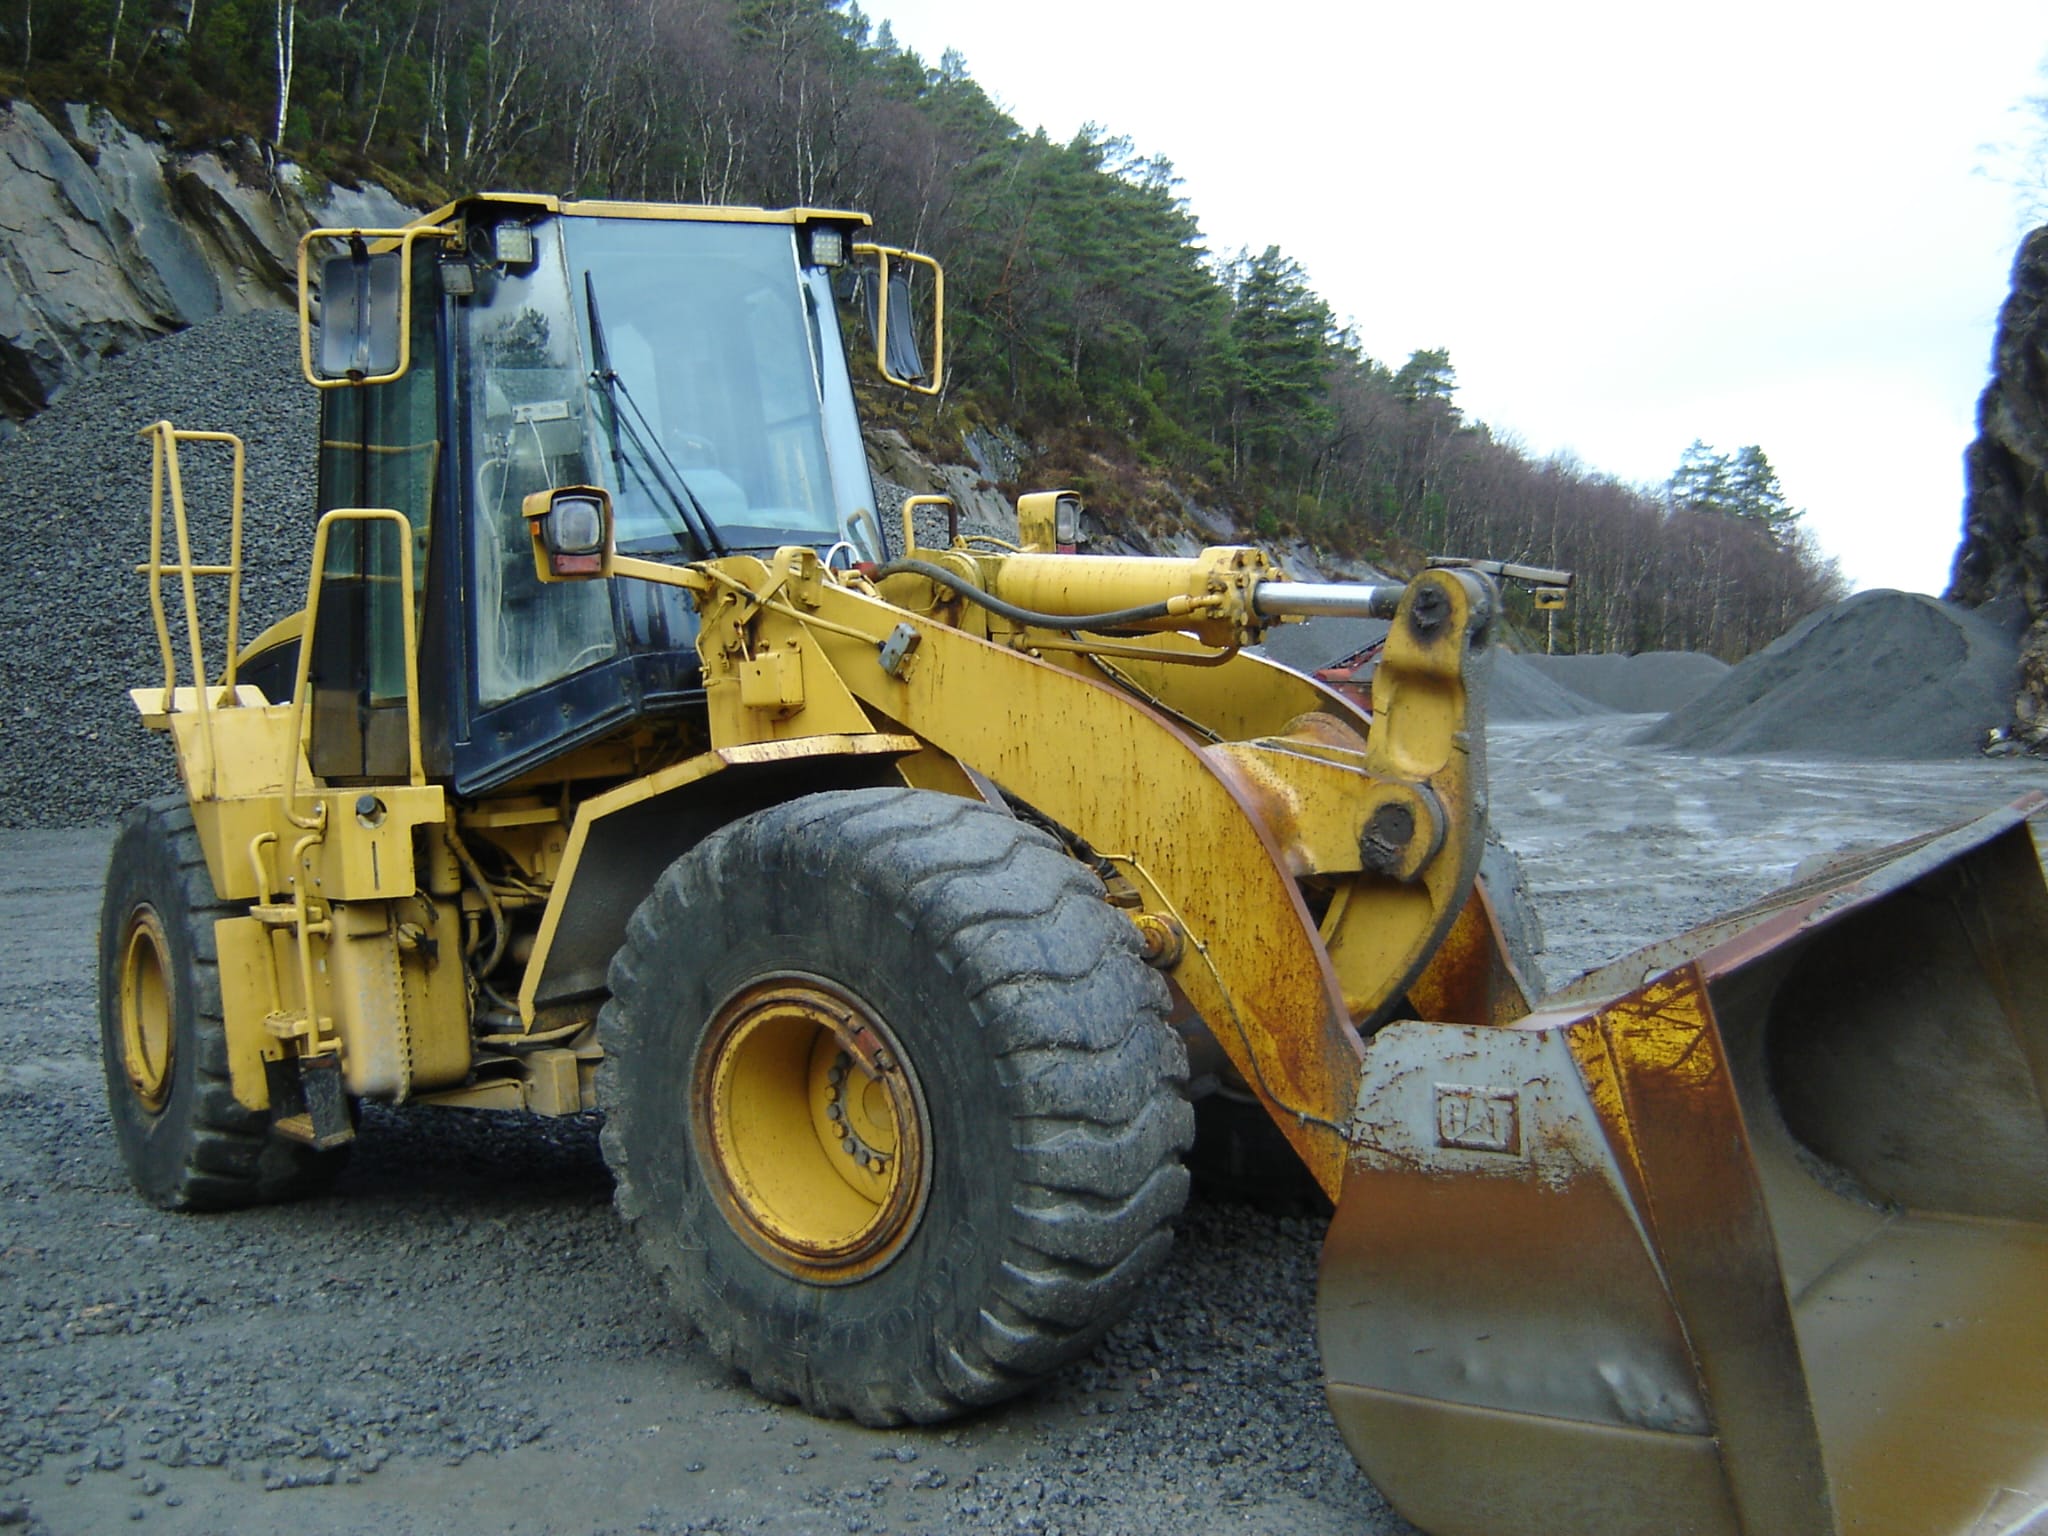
(1469, 979)
(1664, 1029)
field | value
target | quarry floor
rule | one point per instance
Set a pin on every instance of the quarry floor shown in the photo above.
(458, 1340)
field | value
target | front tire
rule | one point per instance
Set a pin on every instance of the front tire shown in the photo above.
(891, 1102)
(185, 1139)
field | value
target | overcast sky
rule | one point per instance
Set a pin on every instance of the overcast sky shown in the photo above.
(1631, 224)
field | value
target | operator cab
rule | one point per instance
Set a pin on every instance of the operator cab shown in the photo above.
(688, 360)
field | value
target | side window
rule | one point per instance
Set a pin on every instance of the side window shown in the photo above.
(778, 337)
(380, 446)
(527, 401)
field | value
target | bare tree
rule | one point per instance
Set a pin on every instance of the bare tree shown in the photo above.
(114, 33)
(502, 106)
(287, 32)
(403, 50)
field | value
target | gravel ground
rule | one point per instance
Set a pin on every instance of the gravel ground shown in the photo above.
(1622, 845)
(458, 1340)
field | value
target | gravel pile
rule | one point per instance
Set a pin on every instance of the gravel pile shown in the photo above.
(1312, 644)
(1651, 683)
(1884, 676)
(1518, 691)
(74, 605)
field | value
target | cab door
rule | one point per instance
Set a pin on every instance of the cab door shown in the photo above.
(381, 446)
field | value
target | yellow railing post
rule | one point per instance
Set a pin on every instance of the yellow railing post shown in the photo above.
(166, 471)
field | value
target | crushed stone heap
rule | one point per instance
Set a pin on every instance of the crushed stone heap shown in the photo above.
(1883, 676)
(1649, 683)
(1517, 692)
(75, 612)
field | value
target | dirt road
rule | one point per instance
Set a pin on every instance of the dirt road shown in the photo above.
(459, 1340)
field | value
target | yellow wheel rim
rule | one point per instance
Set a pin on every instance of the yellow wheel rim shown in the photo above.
(146, 1035)
(813, 1128)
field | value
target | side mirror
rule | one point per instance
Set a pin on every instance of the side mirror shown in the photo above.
(893, 321)
(571, 529)
(365, 326)
(359, 313)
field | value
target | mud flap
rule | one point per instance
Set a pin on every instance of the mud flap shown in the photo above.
(1745, 1233)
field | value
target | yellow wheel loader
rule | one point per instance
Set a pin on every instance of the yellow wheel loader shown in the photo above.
(881, 899)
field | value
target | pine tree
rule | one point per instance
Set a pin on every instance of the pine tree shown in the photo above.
(1427, 375)
(1757, 496)
(1280, 332)
(1739, 485)
(1700, 483)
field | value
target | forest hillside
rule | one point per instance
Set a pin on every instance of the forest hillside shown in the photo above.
(1087, 314)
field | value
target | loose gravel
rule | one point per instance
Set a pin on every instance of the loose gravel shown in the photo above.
(460, 1339)
(78, 614)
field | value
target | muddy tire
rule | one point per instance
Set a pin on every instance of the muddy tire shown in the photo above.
(891, 1102)
(186, 1142)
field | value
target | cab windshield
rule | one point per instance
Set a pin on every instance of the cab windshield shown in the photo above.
(712, 335)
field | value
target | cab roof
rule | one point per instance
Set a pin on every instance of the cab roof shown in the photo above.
(604, 208)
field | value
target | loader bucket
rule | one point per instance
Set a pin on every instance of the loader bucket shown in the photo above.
(1746, 1233)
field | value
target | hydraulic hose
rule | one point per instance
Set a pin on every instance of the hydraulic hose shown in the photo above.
(955, 583)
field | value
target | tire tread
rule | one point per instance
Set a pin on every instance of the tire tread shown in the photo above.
(1093, 1075)
(229, 1159)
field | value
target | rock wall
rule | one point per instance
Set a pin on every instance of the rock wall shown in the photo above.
(2004, 555)
(108, 239)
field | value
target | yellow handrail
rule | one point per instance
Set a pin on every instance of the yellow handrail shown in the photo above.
(910, 508)
(165, 468)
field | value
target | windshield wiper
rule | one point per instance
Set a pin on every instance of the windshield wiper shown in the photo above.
(667, 479)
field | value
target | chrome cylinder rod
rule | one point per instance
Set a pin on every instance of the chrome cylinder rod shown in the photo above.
(1305, 599)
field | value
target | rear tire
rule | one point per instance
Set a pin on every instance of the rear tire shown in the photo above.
(187, 1142)
(1017, 1143)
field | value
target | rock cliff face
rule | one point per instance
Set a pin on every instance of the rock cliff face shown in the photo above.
(108, 240)
(2004, 555)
